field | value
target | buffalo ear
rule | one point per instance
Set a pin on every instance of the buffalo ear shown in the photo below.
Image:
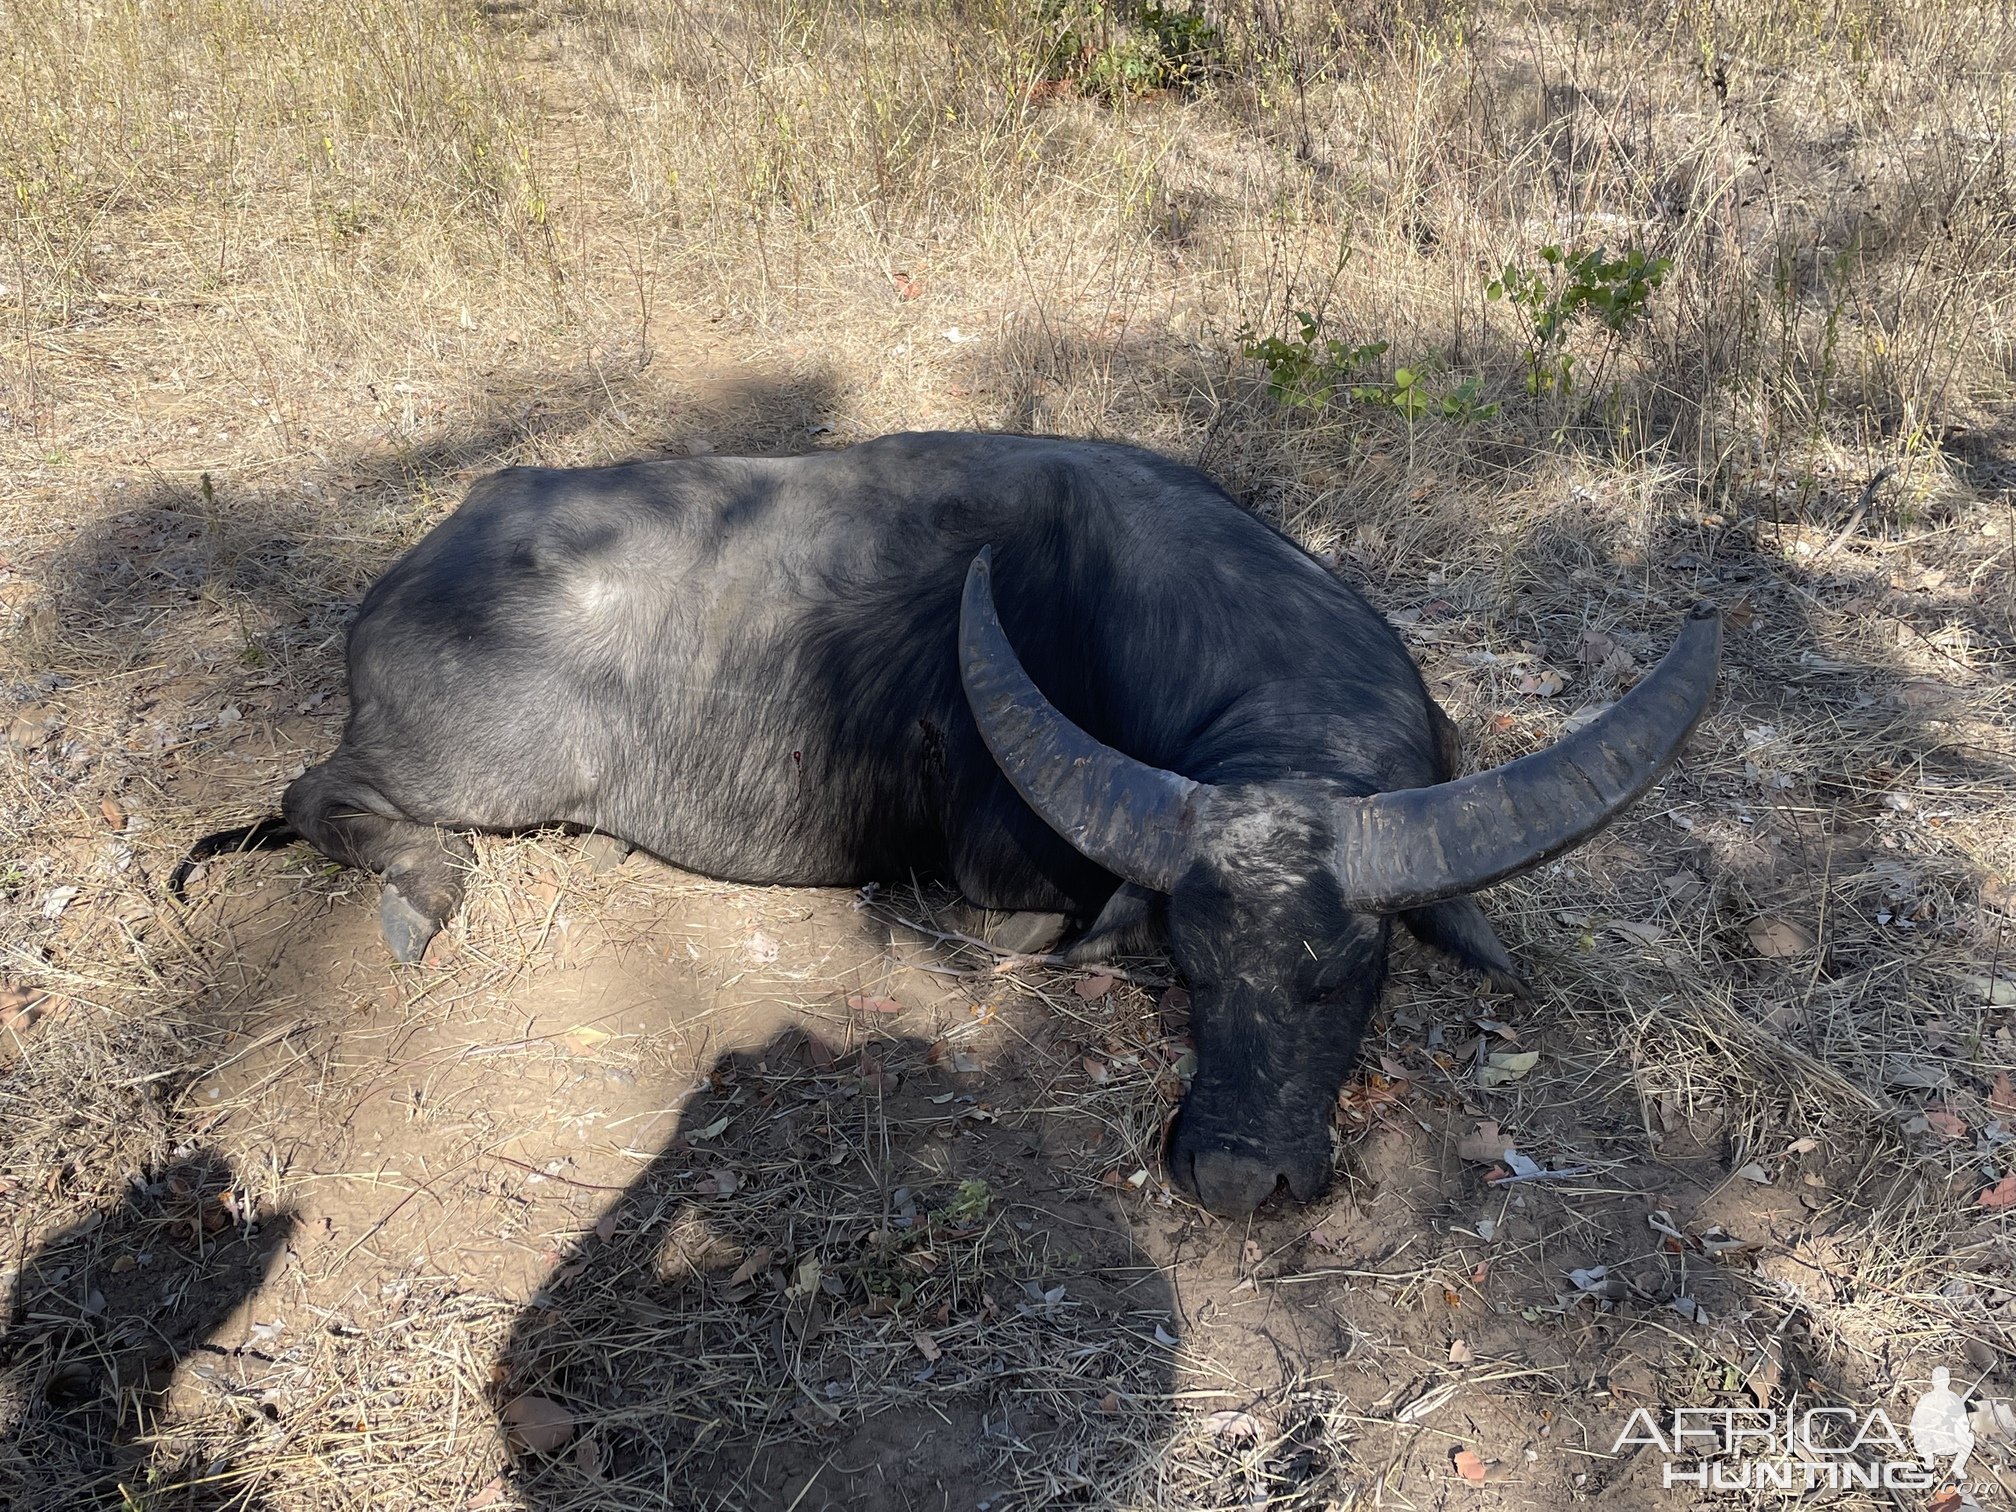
(1134, 922)
(1457, 927)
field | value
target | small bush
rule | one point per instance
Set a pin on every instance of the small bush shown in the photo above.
(1310, 370)
(1116, 50)
(1554, 298)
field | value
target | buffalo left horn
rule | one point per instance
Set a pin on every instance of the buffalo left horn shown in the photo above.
(1403, 849)
(1135, 820)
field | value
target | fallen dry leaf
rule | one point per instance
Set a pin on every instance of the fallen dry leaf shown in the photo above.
(1764, 1373)
(1631, 929)
(718, 1183)
(1595, 648)
(20, 1007)
(1946, 1124)
(605, 1227)
(758, 1259)
(1778, 939)
(1998, 893)
(1990, 992)
(538, 1424)
(1502, 1066)
(492, 1495)
(1251, 1252)
(32, 729)
(927, 1346)
(2002, 1097)
(1682, 884)
(1110, 1403)
(1470, 1465)
(1460, 1353)
(1095, 986)
(1233, 1425)
(2000, 1195)
(861, 1003)
(1486, 1145)
(115, 816)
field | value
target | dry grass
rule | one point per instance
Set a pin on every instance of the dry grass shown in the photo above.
(279, 278)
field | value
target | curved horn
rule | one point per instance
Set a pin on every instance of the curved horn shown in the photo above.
(1401, 850)
(1133, 819)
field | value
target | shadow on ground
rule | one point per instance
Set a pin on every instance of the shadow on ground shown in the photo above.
(843, 1284)
(100, 1319)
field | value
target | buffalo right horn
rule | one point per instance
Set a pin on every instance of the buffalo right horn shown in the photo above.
(1404, 849)
(1136, 820)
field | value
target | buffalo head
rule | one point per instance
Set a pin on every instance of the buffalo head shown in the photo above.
(1280, 893)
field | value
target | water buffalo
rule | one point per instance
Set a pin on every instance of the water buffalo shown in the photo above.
(1064, 675)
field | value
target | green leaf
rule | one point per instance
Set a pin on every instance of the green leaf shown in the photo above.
(1403, 378)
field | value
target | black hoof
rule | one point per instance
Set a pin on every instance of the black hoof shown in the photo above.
(407, 931)
(1017, 932)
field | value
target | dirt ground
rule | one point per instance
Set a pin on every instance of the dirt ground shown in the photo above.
(644, 1190)
(722, 1196)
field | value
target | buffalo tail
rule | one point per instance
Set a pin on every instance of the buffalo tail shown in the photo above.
(270, 833)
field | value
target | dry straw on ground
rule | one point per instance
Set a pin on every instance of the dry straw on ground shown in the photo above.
(284, 1227)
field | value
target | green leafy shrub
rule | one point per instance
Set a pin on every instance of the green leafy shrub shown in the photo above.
(1613, 291)
(1128, 48)
(1310, 371)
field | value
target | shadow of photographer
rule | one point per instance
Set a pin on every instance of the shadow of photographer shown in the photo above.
(101, 1319)
(812, 1298)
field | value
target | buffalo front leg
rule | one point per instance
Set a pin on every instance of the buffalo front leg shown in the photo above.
(423, 867)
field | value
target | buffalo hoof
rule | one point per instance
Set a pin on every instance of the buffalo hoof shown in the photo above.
(1017, 932)
(406, 929)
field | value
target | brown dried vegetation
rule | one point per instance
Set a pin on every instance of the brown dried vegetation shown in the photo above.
(652, 1191)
